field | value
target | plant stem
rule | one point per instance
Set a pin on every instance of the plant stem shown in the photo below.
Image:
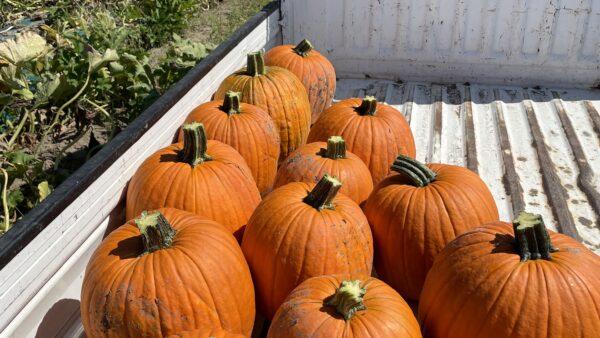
(256, 64)
(417, 172)
(156, 231)
(194, 144)
(336, 148)
(5, 203)
(348, 299)
(531, 237)
(231, 103)
(18, 129)
(322, 195)
(97, 106)
(368, 106)
(303, 48)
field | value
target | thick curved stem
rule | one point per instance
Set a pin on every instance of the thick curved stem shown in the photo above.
(256, 64)
(368, 106)
(231, 103)
(6, 225)
(531, 237)
(322, 195)
(417, 172)
(336, 148)
(303, 48)
(194, 144)
(156, 231)
(348, 299)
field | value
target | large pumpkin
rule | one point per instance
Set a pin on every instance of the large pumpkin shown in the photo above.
(248, 129)
(311, 67)
(311, 161)
(158, 274)
(279, 92)
(373, 131)
(206, 177)
(207, 333)
(344, 306)
(486, 283)
(303, 230)
(416, 212)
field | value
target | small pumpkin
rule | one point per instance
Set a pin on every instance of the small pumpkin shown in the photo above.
(206, 177)
(373, 131)
(158, 274)
(277, 91)
(416, 212)
(344, 306)
(207, 333)
(303, 230)
(248, 129)
(512, 280)
(311, 67)
(311, 161)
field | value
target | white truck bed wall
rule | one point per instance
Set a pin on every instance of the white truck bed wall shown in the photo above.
(521, 42)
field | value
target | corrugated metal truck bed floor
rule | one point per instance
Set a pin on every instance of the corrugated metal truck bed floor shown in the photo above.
(537, 148)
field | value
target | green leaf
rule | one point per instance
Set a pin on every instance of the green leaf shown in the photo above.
(43, 190)
(116, 67)
(98, 60)
(13, 198)
(23, 93)
(25, 47)
(5, 99)
(20, 157)
(46, 88)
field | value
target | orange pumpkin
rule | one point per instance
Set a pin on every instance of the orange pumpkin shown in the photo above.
(311, 67)
(159, 274)
(300, 231)
(206, 177)
(279, 92)
(486, 283)
(344, 306)
(311, 161)
(373, 131)
(248, 129)
(416, 212)
(207, 333)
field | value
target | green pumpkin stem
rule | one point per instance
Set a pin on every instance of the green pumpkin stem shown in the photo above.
(194, 144)
(336, 148)
(368, 106)
(417, 172)
(156, 231)
(322, 195)
(348, 299)
(303, 48)
(531, 237)
(231, 103)
(256, 64)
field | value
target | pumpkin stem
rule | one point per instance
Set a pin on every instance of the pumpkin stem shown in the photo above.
(303, 48)
(156, 231)
(194, 144)
(256, 64)
(531, 237)
(416, 171)
(336, 148)
(231, 103)
(348, 298)
(368, 106)
(322, 195)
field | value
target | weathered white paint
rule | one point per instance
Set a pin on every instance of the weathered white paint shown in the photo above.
(51, 267)
(554, 42)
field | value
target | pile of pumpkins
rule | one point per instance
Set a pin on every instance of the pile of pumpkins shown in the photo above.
(318, 217)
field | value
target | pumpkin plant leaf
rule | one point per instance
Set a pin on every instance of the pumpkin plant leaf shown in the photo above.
(25, 47)
(98, 60)
(43, 190)
(13, 198)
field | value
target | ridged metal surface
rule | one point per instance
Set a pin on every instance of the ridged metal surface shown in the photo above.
(536, 148)
(484, 41)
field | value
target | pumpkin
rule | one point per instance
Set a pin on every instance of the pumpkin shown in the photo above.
(279, 92)
(311, 161)
(375, 132)
(207, 333)
(344, 306)
(512, 280)
(248, 129)
(206, 177)
(302, 230)
(416, 212)
(158, 274)
(311, 67)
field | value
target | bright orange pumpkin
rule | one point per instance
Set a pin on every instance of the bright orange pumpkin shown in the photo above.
(248, 129)
(416, 212)
(486, 283)
(300, 231)
(207, 333)
(206, 177)
(311, 67)
(313, 160)
(158, 274)
(373, 131)
(344, 306)
(279, 92)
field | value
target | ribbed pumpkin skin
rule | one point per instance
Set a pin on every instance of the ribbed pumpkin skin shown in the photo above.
(478, 287)
(314, 70)
(222, 189)
(411, 225)
(303, 314)
(251, 132)
(281, 94)
(287, 241)
(377, 140)
(305, 165)
(207, 333)
(168, 290)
